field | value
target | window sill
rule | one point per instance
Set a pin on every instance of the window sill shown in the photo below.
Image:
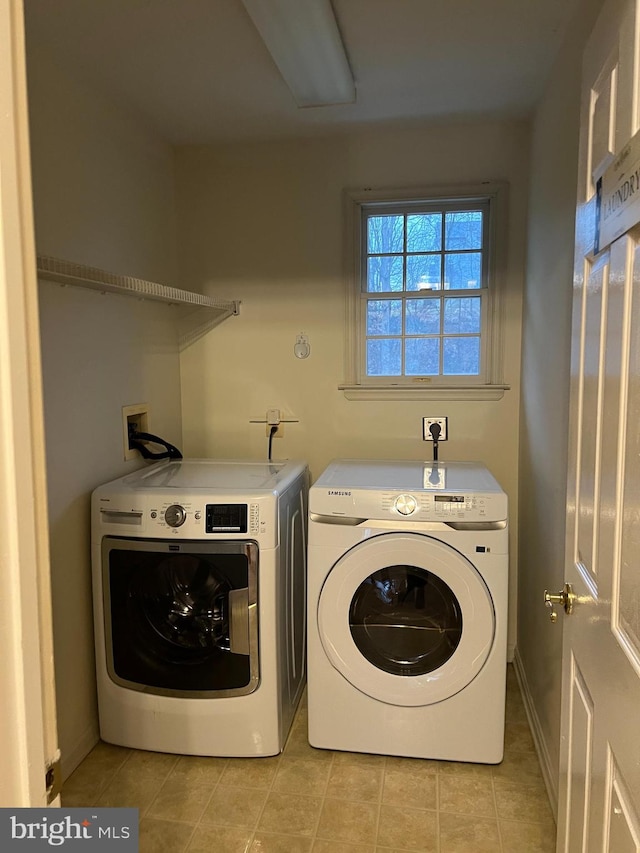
(434, 392)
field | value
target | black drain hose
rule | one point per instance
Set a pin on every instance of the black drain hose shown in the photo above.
(137, 439)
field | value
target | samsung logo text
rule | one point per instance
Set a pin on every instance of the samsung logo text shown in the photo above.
(339, 494)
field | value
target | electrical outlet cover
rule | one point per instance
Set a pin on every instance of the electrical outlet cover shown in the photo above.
(444, 428)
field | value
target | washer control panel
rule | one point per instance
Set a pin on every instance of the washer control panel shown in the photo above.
(175, 515)
(187, 518)
(427, 506)
(409, 491)
(405, 504)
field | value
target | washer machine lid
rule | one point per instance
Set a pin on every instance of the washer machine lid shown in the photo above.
(407, 475)
(214, 474)
(406, 619)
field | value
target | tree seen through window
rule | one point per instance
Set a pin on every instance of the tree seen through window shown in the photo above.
(421, 268)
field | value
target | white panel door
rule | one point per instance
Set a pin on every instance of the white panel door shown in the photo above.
(600, 750)
(28, 731)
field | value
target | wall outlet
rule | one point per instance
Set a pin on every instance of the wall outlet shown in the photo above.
(279, 431)
(274, 419)
(136, 416)
(444, 428)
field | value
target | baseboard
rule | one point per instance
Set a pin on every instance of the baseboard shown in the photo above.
(549, 777)
(71, 758)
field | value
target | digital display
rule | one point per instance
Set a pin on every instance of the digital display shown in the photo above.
(449, 499)
(226, 518)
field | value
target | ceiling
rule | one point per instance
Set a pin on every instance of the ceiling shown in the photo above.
(198, 71)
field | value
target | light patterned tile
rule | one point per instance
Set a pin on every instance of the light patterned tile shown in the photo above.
(130, 791)
(266, 842)
(238, 807)
(302, 716)
(79, 800)
(462, 834)
(290, 814)
(149, 764)
(416, 766)
(528, 837)
(512, 679)
(408, 829)
(301, 776)
(179, 801)
(298, 746)
(517, 738)
(360, 759)
(342, 820)
(94, 773)
(514, 709)
(464, 768)
(528, 803)
(520, 767)
(164, 836)
(470, 795)
(322, 846)
(250, 772)
(355, 781)
(195, 770)
(411, 785)
(220, 839)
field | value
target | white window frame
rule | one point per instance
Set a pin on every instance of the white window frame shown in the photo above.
(489, 385)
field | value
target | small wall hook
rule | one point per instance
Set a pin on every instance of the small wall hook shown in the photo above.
(302, 347)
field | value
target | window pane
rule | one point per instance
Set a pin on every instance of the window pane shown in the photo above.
(423, 317)
(463, 230)
(461, 356)
(384, 317)
(384, 357)
(424, 272)
(422, 356)
(424, 232)
(463, 272)
(385, 234)
(461, 315)
(384, 274)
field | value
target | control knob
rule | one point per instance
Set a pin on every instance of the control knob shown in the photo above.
(175, 515)
(405, 504)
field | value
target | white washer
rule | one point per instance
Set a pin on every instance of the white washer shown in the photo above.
(199, 576)
(407, 610)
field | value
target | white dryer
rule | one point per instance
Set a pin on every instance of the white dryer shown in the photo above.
(407, 610)
(199, 582)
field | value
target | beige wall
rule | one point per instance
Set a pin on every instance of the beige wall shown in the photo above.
(545, 381)
(263, 222)
(103, 196)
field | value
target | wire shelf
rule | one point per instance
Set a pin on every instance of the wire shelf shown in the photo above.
(80, 275)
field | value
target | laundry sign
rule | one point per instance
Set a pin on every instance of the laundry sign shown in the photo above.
(618, 196)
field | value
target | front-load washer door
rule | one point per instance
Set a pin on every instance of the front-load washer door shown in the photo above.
(181, 618)
(406, 619)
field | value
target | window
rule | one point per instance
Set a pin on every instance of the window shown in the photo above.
(424, 296)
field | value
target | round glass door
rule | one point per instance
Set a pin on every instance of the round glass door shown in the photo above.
(406, 619)
(181, 608)
(181, 622)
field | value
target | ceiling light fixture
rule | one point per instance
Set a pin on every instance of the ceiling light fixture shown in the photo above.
(304, 41)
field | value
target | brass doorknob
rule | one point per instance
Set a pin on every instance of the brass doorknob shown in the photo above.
(565, 597)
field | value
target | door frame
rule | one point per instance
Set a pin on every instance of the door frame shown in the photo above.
(28, 732)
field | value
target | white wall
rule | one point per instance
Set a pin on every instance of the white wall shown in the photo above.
(103, 196)
(263, 222)
(545, 385)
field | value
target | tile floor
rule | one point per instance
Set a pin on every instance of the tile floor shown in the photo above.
(315, 801)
